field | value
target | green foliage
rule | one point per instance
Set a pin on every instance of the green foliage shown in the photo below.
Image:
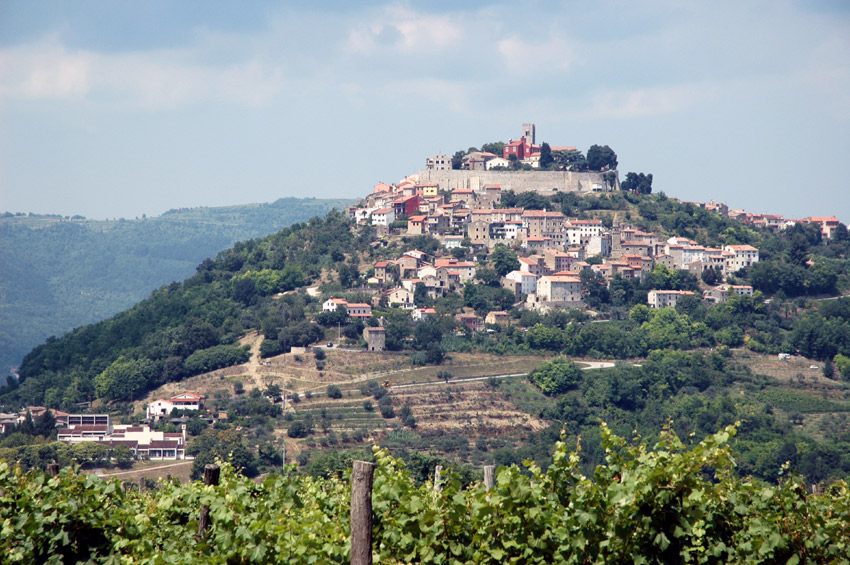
(601, 157)
(662, 503)
(556, 376)
(504, 260)
(637, 182)
(124, 378)
(334, 392)
(216, 357)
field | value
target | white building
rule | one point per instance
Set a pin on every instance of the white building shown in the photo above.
(579, 232)
(331, 304)
(527, 281)
(665, 298)
(745, 256)
(559, 288)
(439, 162)
(383, 217)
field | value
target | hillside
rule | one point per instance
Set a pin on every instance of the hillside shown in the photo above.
(60, 273)
(227, 332)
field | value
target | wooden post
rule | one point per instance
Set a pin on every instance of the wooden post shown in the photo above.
(141, 484)
(211, 474)
(361, 513)
(437, 470)
(53, 469)
(489, 475)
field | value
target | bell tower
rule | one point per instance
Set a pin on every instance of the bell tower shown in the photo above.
(529, 132)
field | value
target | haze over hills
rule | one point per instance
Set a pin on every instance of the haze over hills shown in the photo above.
(59, 272)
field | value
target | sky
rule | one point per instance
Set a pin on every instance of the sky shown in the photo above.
(116, 109)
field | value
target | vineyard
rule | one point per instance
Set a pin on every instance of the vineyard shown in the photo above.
(667, 503)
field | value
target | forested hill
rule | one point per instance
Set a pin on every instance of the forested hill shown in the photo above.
(59, 273)
(185, 328)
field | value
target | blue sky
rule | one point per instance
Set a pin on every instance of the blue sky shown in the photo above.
(114, 109)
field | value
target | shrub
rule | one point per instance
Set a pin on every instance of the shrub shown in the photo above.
(556, 376)
(334, 391)
(297, 430)
(387, 411)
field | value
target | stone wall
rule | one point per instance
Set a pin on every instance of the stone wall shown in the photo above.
(542, 182)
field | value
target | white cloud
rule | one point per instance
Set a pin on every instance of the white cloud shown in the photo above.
(44, 71)
(399, 27)
(525, 57)
(644, 102)
(152, 80)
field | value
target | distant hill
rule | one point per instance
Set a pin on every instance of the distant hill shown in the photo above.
(58, 273)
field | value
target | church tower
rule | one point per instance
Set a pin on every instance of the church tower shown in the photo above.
(529, 132)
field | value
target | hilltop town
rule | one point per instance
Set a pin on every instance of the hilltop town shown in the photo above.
(434, 289)
(553, 258)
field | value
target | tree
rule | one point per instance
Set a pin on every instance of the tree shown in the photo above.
(711, 276)
(601, 157)
(504, 260)
(334, 391)
(45, 425)
(457, 159)
(122, 456)
(638, 183)
(556, 376)
(297, 430)
(407, 417)
(545, 156)
(496, 148)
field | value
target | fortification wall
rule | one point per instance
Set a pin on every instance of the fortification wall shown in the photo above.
(542, 182)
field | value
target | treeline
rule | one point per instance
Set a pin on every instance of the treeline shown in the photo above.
(190, 327)
(661, 503)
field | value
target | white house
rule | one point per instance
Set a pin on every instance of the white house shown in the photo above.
(528, 281)
(498, 162)
(188, 401)
(665, 298)
(559, 288)
(359, 310)
(383, 217)
(331, 304)
(745, 256)
(159, 408)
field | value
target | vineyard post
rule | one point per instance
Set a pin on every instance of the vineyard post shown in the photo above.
(489, 474)
(437, 470)
(53, 469)
(141, 484)
(361, 513)
(211, 474)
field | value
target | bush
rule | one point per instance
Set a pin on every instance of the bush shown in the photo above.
(297, 430)
(238, 387)
(368, 406)
(334, 391)
(319, 353)
(216, 357)
(556, 376)
(387, 411)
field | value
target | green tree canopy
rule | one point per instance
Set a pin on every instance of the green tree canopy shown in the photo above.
(556, 376)
(601, 157)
